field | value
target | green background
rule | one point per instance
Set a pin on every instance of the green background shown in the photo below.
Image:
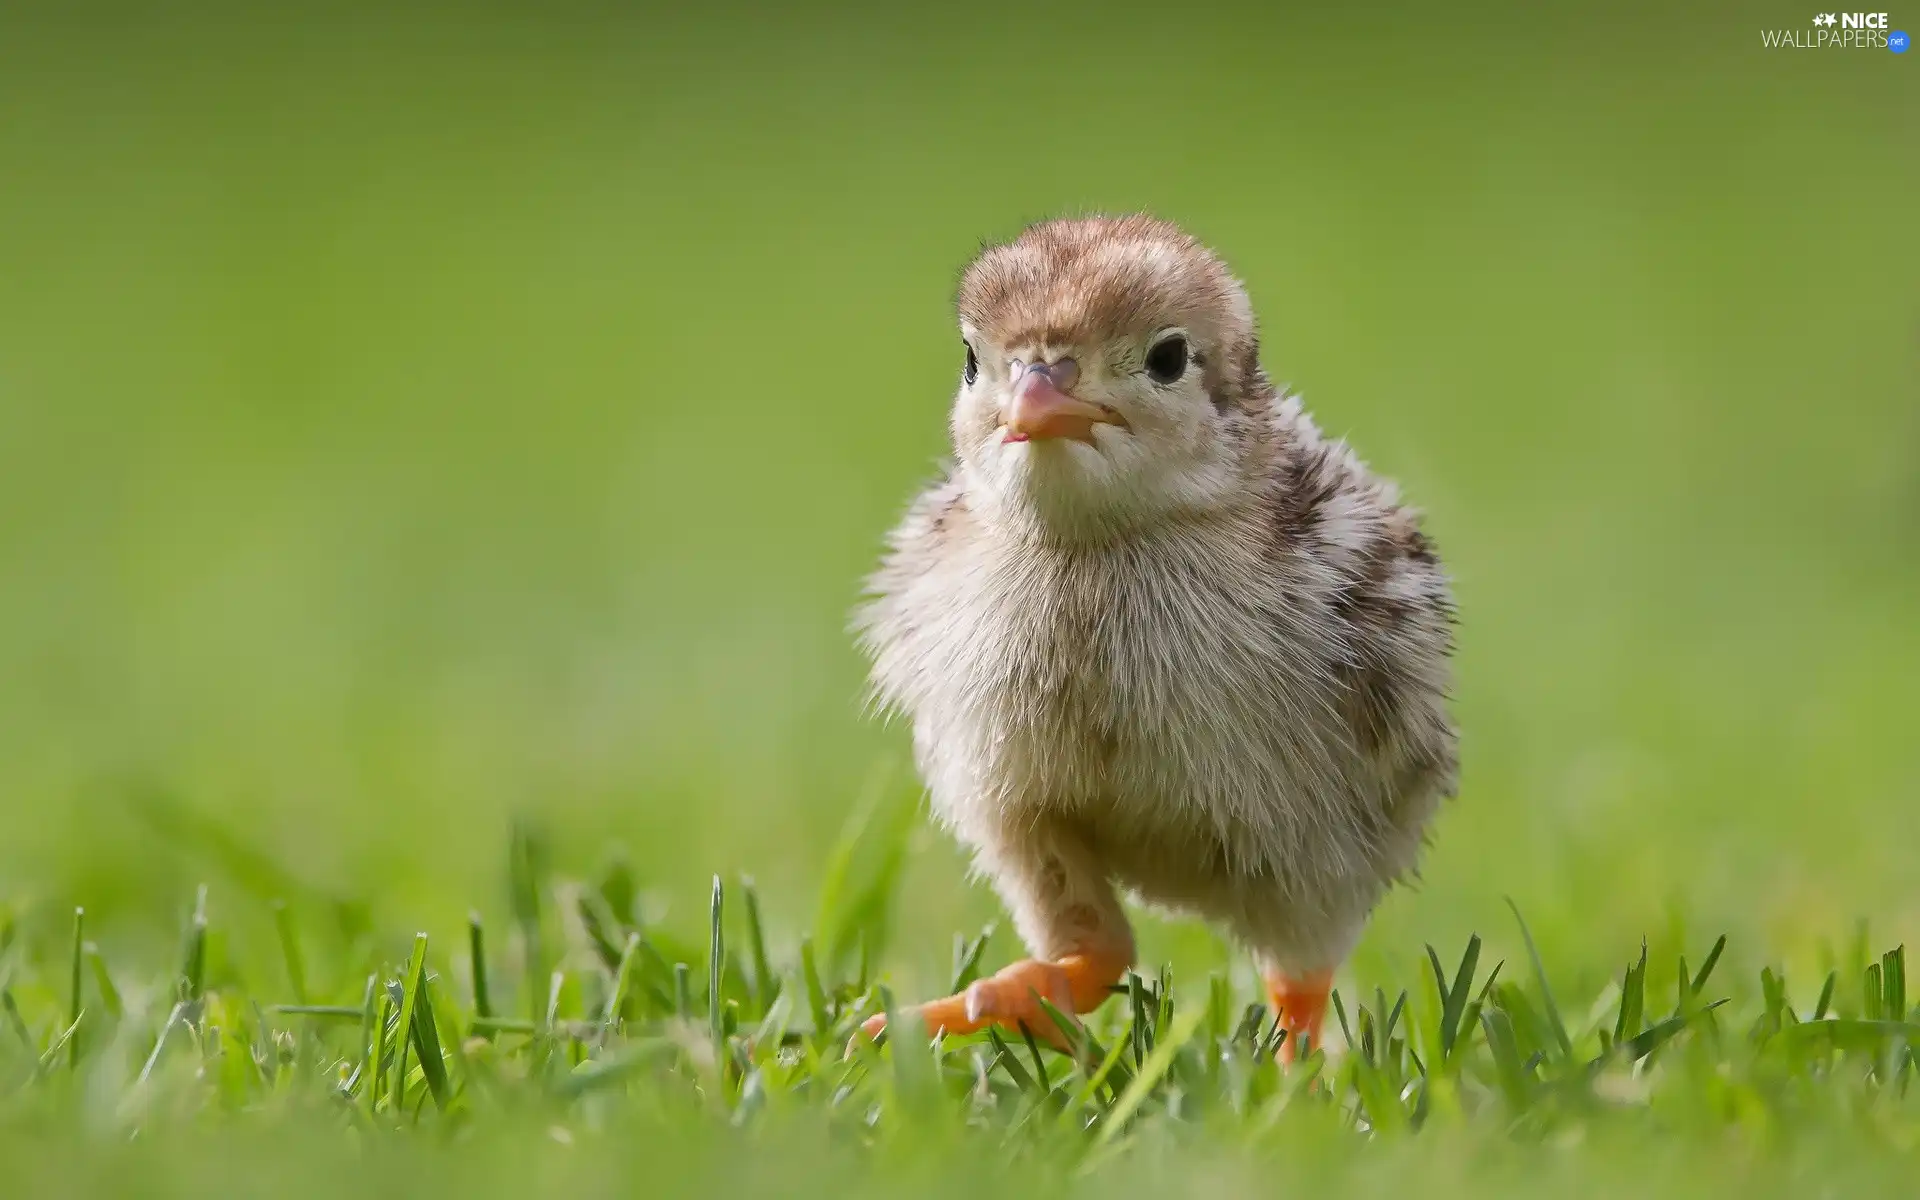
(412, 418)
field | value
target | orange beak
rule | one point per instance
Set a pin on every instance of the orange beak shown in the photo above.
(1043, 410)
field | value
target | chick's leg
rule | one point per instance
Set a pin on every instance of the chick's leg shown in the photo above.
(1072, 922)
(1297, 948)
(1300, 1001)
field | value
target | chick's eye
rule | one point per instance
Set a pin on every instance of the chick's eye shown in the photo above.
(1167, 361)
(971, 371)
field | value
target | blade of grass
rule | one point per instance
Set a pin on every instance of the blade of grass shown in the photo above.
(816, 993)
(622, 981)
(1149, 1075)
(290, 951)
(1893, 975)
(966, 960)
(652, 977)
(1826, 996)
(1340, 1014)
(1854, 1034)
(504, 1025)
(103, 983)
(1633, 999)
(772, 1030)
(193, 969)
(683, 991)
(17, 1022)
(75, 979)
(1393, 1019)
(375, 1075)
(1039, 1064)
(526, 884)
(408, 1005)
(369, 1035)
(1219, 1006)
(174, 1017)
(1250, 1022)
(1377, 1097)
(913, 1080)
(1471, 1018)
(600, 926)
(477, 966)
(609, 1070)
(1652, 1039)
(766, 984)
(1555, 1025)
(619, 891)
(1277, 1034)
(1139, 1024)
(426, 1044)
(863, 873)
(1774, 995)
(1515, 1081)
(1706, 968)
(1005, 1057)
(1071, 1031)
(1454, 996)
(716, 971)
(1070, 1114)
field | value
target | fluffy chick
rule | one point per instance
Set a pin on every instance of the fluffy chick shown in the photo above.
(1155, 633)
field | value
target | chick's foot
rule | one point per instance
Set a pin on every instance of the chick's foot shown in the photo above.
(1300, 1001)
(1010, 998)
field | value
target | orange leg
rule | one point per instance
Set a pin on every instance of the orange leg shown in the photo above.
(1074, 984)
(1301, 1003)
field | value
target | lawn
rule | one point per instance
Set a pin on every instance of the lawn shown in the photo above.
(438, 453)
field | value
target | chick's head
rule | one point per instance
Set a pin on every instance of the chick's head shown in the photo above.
(1110, 366)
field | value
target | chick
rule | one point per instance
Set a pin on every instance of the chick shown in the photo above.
(1156, 634)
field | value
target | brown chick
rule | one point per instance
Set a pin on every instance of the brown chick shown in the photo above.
(1156, 634)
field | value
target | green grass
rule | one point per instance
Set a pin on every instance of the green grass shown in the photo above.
(439, 450)
(609, 1044)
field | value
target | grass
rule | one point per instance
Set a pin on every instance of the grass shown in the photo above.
(618, 1030)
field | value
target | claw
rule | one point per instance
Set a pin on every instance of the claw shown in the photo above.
(978, 1001)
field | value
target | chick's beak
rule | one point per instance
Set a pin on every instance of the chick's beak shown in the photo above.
(1042, 407)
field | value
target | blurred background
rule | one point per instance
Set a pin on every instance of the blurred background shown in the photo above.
(410, 419)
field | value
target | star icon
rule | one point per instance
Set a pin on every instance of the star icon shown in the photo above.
(1827, 19)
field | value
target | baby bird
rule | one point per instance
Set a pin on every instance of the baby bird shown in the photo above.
(1156, 634)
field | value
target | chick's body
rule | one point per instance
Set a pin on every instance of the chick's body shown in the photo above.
(1180, 644)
